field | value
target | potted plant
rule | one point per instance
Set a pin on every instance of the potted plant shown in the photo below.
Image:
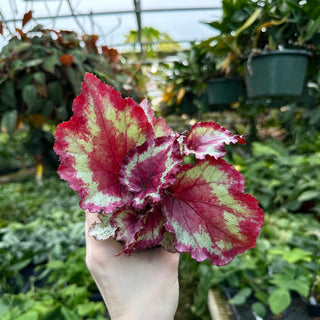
(282, 43)
(224, 88)
(313, 305)
(40, 74)
(259, 32)
(226, 83)
(186, 81)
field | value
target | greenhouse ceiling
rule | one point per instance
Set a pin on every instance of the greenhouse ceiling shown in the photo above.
(112, 20)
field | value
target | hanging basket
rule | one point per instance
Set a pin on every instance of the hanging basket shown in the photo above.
(223, 91)
(279, 73)
(191, 103)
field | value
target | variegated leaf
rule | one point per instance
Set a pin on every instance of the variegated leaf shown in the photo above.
(159, 126)
(148, 169)
(209, 138)
(92, 145)
(138, 231)
(209, 214)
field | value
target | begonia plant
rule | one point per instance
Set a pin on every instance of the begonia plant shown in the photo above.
(129, 166)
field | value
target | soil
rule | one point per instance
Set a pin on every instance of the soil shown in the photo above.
(296, 311)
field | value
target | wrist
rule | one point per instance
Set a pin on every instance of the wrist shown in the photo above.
(145, 314)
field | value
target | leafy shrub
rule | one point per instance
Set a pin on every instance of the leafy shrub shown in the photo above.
(36, 229)
(280, 177)
(41, 73)
(13, 153)
(284, 260)
(65, 295)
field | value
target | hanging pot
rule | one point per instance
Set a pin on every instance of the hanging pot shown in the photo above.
(223, 91)
(279, 73)
(191, 103)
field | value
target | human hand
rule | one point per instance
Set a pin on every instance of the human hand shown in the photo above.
(137, 287)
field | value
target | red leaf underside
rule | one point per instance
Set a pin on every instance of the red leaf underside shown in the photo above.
(209, 138)
(209, 213)
(92, 145)
(138, 231)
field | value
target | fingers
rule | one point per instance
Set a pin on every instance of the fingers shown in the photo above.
(91, 217)
(99, 247)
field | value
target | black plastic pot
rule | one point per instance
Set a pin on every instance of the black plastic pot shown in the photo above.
(223, 91)
(279, 73)
(313, 310)
(189, 103)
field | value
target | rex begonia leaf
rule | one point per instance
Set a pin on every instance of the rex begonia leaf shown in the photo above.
(138, 231)
(209, 214)
(159, 126)
(93, 143)
(147, 169)
(209, 138)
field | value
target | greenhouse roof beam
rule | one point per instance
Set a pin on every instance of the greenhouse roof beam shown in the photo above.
(63, 16)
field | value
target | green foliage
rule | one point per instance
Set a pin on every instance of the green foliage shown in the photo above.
(13, 153)
(283, 177)
(187, 80)
(154, 42)
(247, 25)
(194, 282)
(41, 73)
(35, 229)
(285, 259)
(67, 298)
(43, 270)
(26, 202)
(302, 121)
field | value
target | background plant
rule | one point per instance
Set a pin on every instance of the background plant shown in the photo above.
(187, 80)
(283, 177)
(284, 260)
(41, 71)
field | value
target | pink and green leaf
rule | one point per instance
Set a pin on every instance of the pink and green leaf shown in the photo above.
(138, 231)
(159, 126)
(209, 214)
(92, 145)
(147, 169)
(209, 138)
(123, 160)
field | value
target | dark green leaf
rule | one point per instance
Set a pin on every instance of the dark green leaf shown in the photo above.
(19, 265)
(32, 63)
(62, 113)
(40, 77)
(259, 309)
(47, 108)
(49, 64)
(55, 92)
(7, 96)
(30, 97)
(9, 121)
(241, 296)
(75, 79)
